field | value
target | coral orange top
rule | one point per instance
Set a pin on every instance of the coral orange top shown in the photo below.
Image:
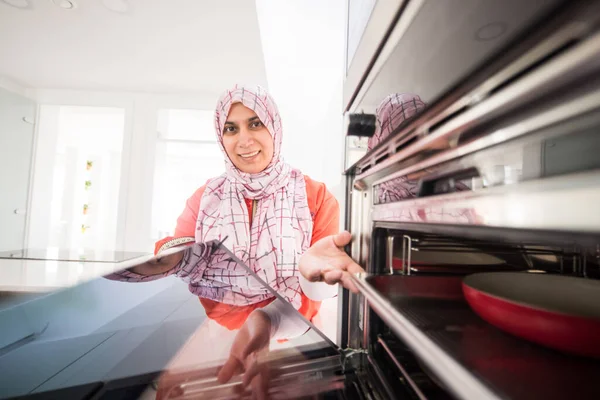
(325, 212)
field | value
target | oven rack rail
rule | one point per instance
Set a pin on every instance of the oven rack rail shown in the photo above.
(572, 259)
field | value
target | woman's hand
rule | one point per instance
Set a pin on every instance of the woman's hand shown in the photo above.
(250, 343)
(326, 261)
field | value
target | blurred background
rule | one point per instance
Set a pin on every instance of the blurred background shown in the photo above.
(106, 108)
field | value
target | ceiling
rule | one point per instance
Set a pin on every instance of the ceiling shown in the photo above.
(158, 46)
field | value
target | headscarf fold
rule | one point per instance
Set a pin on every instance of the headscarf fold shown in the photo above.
(392, 112)
(281, 229)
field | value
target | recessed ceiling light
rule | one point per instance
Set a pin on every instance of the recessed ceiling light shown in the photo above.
(119, 6)
(491, 31)
(17, 3)
(65, 4)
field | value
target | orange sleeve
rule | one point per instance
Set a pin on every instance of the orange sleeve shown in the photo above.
(186, 223)
(324, 209)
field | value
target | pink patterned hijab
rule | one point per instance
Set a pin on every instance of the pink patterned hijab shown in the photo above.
(281, 229)
(393, 111)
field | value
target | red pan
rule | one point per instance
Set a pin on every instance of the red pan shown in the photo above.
(556, 311)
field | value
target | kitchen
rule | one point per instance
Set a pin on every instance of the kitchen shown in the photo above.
(490, 170)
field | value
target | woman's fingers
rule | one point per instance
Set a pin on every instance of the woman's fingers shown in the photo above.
(342, 238)
(231, 367)
(313, 273)
(256, 376)
(260, 386)
(254, 344)
(339, 276)
(353, 267)
(333, 276)
(252, 369)
(348, 283)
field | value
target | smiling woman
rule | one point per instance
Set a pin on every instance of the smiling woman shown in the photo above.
(278, 221)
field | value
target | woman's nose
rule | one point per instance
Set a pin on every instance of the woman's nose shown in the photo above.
(245, 137)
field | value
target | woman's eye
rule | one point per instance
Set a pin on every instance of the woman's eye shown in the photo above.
(256, 124)
(229, 129)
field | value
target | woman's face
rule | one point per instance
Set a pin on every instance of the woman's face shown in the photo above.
(247, 141)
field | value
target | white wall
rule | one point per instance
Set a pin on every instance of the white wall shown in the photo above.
(303, 45)
(141, 110)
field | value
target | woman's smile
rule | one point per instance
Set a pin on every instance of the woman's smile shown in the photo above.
(250, 156)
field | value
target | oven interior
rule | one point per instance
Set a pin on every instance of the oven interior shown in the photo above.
(420, 274)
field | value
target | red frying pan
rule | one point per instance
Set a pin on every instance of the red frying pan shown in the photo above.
(556, 311)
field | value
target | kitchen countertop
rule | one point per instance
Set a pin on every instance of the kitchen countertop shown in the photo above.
(45, 275)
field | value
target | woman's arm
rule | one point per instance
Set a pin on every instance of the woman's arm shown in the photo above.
(184, 234)
(284, 324)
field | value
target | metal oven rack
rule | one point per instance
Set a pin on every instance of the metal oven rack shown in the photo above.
(572, 260)
(471, 358)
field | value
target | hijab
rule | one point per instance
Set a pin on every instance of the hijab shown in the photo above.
(392, 112)
(281, 229)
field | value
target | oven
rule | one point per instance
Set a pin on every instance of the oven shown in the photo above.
(500, 173)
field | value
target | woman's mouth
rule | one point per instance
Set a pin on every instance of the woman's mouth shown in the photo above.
(249, 156)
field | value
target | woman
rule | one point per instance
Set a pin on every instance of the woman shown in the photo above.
(280, 222)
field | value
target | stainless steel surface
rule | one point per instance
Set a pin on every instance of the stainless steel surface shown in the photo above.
(435, 45)
(570, 109)
(379, 22)
(557, 72)
(457, 378)
(528, 205)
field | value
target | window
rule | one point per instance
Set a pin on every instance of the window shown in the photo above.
(187, 155)
(77, 178)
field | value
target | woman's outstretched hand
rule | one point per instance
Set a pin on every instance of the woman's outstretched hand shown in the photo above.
(249, 346)
(326, 261)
